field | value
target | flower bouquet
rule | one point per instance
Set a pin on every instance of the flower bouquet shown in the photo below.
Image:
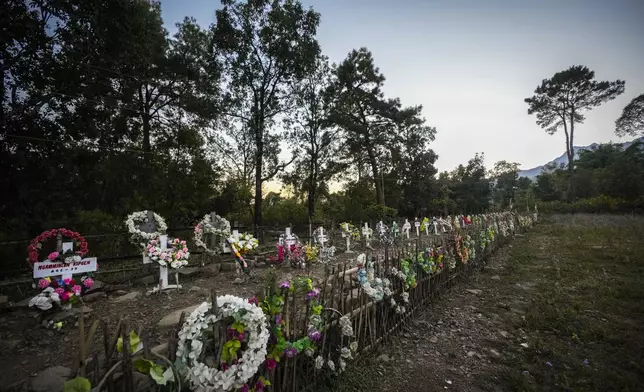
(60, 292)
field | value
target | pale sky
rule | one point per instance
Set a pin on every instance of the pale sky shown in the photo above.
(470, 63)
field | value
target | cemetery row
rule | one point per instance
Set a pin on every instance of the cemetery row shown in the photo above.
(292, 327)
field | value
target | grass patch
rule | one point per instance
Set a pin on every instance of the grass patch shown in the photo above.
(584, 325)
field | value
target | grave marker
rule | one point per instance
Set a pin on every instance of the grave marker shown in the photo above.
(406, 228)
(417, 226)
(47, 268)
(366, 233)
(347, 237)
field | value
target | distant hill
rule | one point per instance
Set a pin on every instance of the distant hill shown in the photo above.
(563, 159)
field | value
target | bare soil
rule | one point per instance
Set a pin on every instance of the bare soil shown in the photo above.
(27, 347)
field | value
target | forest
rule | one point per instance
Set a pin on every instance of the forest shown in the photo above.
(104, 112)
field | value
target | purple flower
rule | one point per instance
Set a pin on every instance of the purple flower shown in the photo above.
(278, 319)
(244, 388)
(253, 300)
(315, 335)
(313, 293)
(290, 352)
(285, 285)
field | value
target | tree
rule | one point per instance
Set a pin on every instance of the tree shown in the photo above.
(561, 100)
(313, 137)
(505, 176)
(631, 122)
(470, 187)
(369, 121)
(268, 47)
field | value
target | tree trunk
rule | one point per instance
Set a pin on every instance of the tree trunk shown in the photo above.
(312, 189)
(259, 155)
(380, 189)
(571, 158)
(146, 132)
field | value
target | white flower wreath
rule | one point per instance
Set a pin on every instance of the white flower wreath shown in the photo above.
(205, 226)
(204, 378)
(141, 236)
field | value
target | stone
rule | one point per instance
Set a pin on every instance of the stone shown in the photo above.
(142, 382)
(496, 277)
(149, 279)
(471, 353)
(188, 271)
(260, 264)
(212, 269)
(504, 333)
(127, 297)
(119, 292)
(49, 380)
(433, 339)
(69, 314)
(22, 303)
(92, 297)
(97, 286)
(495, 353)
(383, 358)
(474, 291)
(238, 281)
(173, 318)
(228, 266)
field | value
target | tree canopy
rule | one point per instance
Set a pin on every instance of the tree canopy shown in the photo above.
(560, 101)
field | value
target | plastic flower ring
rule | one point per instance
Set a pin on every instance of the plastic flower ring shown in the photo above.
(36, 244)
(200, 376)
(139, 236)
(220, 228)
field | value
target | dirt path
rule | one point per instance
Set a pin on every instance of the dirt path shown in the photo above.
(558, 309)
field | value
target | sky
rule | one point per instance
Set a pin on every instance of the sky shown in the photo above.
(471, 63)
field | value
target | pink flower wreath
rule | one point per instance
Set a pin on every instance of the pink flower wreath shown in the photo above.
(36, 244)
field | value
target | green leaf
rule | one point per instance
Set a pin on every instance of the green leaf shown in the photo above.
(135, 343)
(154, 370)
(78, 384)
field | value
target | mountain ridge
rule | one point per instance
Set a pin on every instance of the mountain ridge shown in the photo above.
(563, 159)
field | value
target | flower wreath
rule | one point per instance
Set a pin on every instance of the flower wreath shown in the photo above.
(249, 318)
(36, 244)
(176, 257)
(345, 352)
(139, 236)
(205, 226)
(350, 230)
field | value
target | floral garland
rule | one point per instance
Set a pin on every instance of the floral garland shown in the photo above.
(139, 237)
(36, 244)
(61, 292)
(384, 236)
(248, 333)
(470, 246)
(176, 257)
(350, 230)
(205, 226)
(424, 225)
(244, 243)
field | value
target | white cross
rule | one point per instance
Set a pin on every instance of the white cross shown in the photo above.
(366, 232)
(426, 226)
(417, 226)
(434, 225)
(348, 238)
(321, 237)
(289, 239)
(406, 227)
